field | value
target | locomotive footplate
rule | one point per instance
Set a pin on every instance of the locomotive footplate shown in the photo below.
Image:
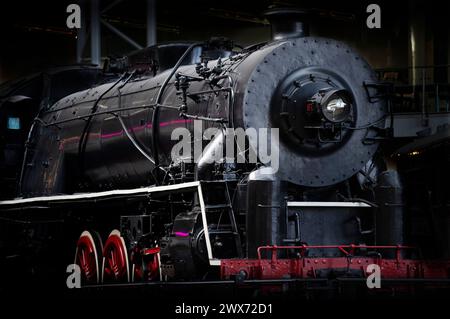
(351, 267)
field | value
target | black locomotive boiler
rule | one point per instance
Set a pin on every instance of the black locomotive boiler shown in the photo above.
(101, 160)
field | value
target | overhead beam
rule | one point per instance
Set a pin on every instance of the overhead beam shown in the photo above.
(121, 35)
(111, 5)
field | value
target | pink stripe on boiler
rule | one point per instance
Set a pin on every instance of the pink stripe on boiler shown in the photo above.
(149, 125)
(181, 234)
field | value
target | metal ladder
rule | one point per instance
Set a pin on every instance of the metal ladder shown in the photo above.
(218, 201)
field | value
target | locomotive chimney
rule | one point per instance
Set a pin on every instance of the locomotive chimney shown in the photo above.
(287, 23)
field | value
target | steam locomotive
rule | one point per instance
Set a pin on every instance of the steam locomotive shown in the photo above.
(102, 161)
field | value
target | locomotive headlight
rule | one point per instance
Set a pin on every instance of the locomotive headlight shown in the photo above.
(336, 106)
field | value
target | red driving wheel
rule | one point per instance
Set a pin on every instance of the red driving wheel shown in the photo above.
(151, 255)
(115, 259)
(145, 264)
(88, 255)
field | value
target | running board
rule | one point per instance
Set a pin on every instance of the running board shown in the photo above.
(192, 186)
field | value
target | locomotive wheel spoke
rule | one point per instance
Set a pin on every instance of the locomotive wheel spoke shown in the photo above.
(145, 264)
(116, 265)
(87, 255)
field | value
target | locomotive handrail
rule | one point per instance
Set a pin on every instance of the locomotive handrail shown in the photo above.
(111, 111)
(129, 108)
(94, 195)
(329, 204)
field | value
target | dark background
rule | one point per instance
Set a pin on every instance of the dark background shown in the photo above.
(34, 35)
